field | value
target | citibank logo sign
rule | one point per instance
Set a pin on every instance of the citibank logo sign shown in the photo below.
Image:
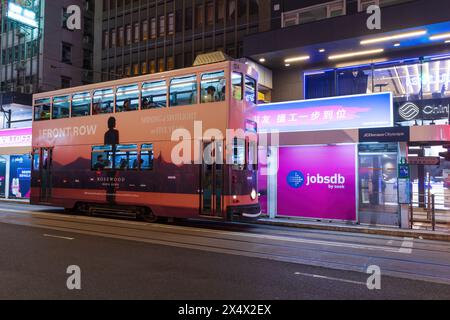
(296, 179)
(409, 111)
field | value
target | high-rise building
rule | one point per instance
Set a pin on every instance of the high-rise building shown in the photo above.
(147, 36)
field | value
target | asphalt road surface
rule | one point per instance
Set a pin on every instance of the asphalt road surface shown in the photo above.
(133, 260)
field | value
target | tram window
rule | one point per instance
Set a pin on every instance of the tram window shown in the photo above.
(81, 104)
(252, 155)
(126, 157)
(238, 156)
(61, 107)
(213, 87)
(146, 159)
(127, 98)
(236, 79)
(101, 158)
(250, 89)
(103, 101)
(154, 95)
(42, 109)
(183, 91)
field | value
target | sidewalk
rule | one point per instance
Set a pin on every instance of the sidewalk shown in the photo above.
(356, 228)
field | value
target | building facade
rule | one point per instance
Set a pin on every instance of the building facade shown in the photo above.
(327, 49)
(38, 53)
(147, 36)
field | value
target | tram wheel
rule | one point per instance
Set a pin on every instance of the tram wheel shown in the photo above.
(147, 215)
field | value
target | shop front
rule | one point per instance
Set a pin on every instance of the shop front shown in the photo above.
(15, 163)
(339, 159)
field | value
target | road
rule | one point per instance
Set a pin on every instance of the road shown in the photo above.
(204, 260)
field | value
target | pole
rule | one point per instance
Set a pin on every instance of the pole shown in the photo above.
(433, 215)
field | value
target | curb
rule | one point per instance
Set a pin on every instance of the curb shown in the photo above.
(419, 234)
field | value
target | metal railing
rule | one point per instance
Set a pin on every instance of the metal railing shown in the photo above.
(425, 209)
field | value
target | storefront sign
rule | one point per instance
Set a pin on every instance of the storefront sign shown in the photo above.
(428, 161)
(309, 186)
(22, 15)
(394, 134)
(15, 138)
(349, 112)
(430, 109)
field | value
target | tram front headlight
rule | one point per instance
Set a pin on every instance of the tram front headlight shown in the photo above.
(253, 194)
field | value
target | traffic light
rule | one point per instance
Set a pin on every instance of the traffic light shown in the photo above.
(445, 154)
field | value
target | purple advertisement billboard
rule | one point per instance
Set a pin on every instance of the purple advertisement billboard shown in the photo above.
(317, 182)
(349, 112)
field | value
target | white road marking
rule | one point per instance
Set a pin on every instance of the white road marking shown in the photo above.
(407, 245)
(328, 278)
(59, 237)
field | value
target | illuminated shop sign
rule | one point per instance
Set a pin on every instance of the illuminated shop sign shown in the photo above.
(347, 112)
(430, 109)
(22, 15)
(15, 138)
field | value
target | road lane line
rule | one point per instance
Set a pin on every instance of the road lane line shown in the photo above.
(317, 276)
(407, 245)
(59, 237)
(259, 236)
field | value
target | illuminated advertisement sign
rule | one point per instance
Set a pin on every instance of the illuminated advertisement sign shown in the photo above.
(15, 138)
(317, 182)
(22, 15)
(347, 112)
(430, 109)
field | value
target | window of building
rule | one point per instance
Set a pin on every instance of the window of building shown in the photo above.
(136, 69)
(120, 37)
(127, 70)
(210, 14)
(183, 91)
(105, 39)
(152, 66)
(188, 21)
(42, 109)
(144, 30)
(113, 38)
(61, 107)
(199, 16)
(103, 101)
(213, 88)
(153, 28)
(236, 81)
(81, 104)
(171, 23)
(170, 63)
(154, 95)
(144, 67)
(314, 13)
(220, 8)
(161, 66)
(127, 98)
(128, 34)
(66, 82)
(162, 26)
(146, 158)
(137, 35)
(66, 53)
(250, 89)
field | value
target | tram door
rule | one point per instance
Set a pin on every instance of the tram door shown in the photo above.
(45, 174)
(211, 203)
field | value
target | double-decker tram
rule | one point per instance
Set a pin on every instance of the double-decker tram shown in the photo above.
(175, 144)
